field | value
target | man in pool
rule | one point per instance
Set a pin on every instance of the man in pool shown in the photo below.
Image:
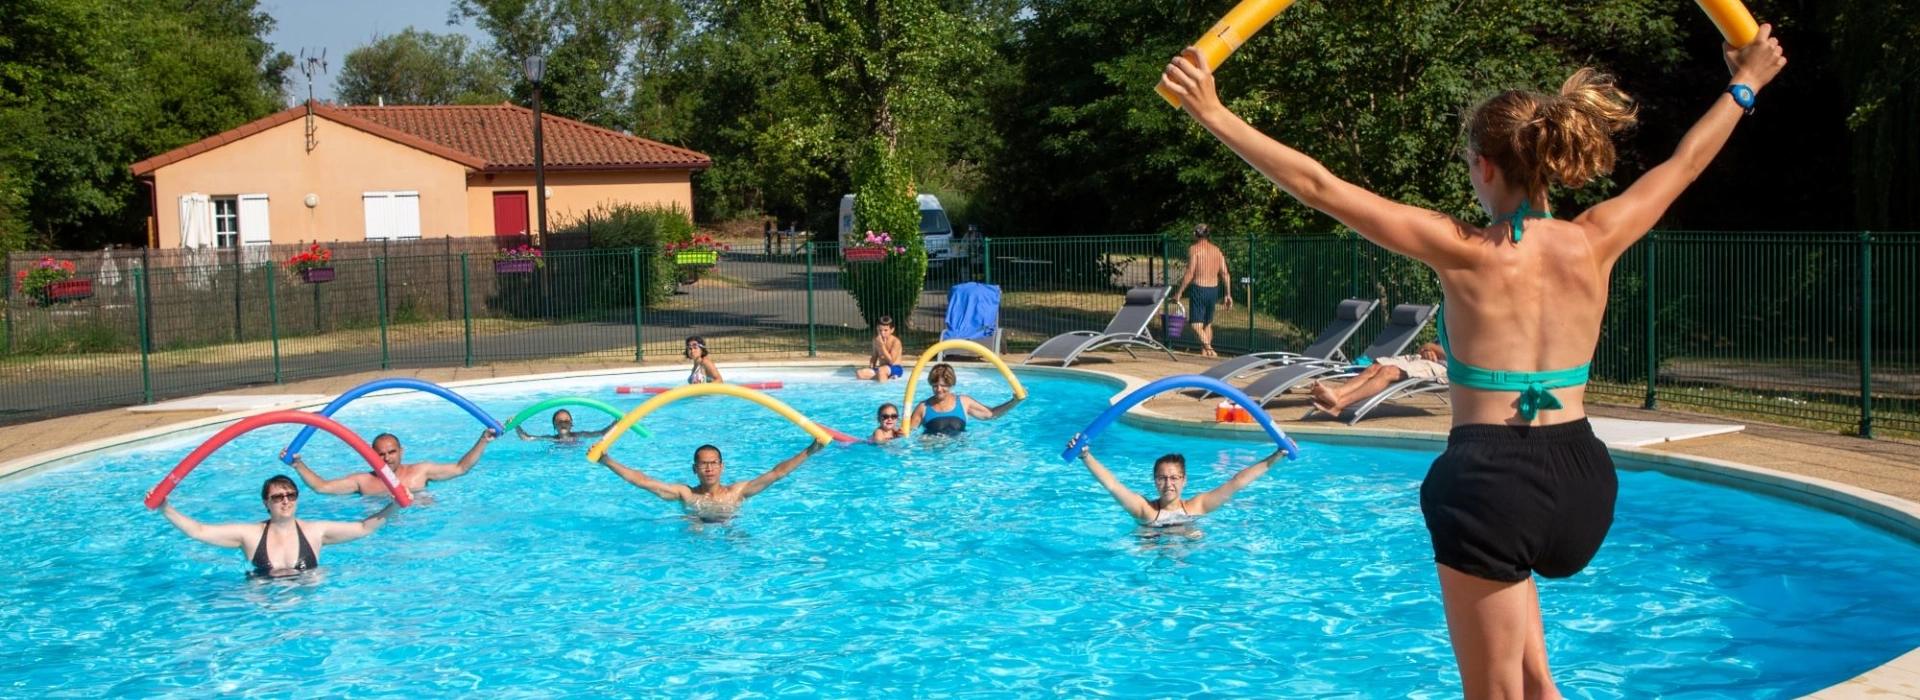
(414, 476)
(710, 499)
(562, 429)
(283, 545)
(1169, 478)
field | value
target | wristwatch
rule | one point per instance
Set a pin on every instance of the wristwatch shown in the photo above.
(1742, 95)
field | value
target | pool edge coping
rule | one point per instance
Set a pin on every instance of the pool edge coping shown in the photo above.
(1897, 678)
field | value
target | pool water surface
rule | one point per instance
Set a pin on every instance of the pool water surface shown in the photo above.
(977, 566)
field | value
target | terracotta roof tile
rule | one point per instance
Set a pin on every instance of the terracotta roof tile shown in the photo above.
(485, 137)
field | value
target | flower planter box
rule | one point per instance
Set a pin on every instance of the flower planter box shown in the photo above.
(316, 275)
(697, 258)
(69, 290)
(513, 267)
(865, 254)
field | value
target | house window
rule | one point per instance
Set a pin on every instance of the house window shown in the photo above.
(226, 222)
(392, 216)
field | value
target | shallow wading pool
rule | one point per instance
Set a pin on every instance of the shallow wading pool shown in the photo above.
(979, 566)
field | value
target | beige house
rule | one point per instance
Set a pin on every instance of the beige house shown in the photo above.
(321, 172)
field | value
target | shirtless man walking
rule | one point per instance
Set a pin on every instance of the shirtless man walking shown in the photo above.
(414, 476)
(710, 499)
(1207, 272)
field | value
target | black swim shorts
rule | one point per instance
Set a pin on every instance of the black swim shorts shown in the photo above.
(1203, 300)
(1505, 501)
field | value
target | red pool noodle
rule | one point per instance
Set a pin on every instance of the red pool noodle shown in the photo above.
(761, 386)
(163, 489)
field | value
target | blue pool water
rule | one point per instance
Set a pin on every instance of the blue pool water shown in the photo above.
(978, 567)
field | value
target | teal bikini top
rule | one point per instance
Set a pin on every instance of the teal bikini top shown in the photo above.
(1534, 387)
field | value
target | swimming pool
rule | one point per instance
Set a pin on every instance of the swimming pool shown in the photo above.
(978, 566)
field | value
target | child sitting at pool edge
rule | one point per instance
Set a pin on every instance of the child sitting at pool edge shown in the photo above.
(884, 363)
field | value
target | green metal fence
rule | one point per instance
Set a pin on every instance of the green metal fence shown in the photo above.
(1809, 328)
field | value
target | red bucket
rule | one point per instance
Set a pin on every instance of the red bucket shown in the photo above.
(1177, 321)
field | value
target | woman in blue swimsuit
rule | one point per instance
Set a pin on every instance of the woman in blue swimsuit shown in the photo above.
(1523, 486)
(947, 412)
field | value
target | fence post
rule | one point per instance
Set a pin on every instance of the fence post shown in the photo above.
(986, 258)
(466, 307)
(1353, 264)
(1249, 296)
(6, 295)
(239, 334)
(640, 302)
(1653, 356)
(380, 290)
(448, 262)
(140, 303)
(813, 347)
(273, 326)
(1866, 334)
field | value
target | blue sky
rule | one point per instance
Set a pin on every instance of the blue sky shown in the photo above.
(342, 25)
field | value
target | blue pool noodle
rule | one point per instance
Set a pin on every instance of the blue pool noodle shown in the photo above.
(300, 440)
(1181, 381)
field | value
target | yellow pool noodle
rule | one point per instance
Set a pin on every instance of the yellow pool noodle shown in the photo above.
(969, 346)
(707, 389)
(1733, 20)
(1237, 26)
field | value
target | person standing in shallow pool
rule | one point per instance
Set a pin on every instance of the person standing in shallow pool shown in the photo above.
(1168, 508)
(946, 412)
(709, 498)
(1524, 487)
(283, 545)
(562, 429)
(414, 476)
(704, 370)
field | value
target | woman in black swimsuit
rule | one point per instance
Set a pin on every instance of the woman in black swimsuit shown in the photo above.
(283, 545)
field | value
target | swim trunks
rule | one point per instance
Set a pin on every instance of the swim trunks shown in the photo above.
(1203, 300)
(1505, 501)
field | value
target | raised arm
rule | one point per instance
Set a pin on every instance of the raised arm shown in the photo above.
(980, 410)
(779, 471)
(1428, 236)
(521, 430)
(336, 532)
(1135, 506)
(233, 535)
(1207, 502)
(1618, 222)
(348, 484)
(443, 472)
(666, 491)
(913, 419)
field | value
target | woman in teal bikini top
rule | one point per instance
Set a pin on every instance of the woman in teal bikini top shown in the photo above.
(1536, 388)
(1513, 495)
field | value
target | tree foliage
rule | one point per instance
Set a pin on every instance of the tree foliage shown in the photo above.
(422, 68)
(87, 87)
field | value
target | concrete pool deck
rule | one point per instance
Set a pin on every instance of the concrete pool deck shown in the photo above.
(1877, 466)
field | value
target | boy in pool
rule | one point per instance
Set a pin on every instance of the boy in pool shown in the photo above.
(1169, 477)
(710, 499)
(884, 363)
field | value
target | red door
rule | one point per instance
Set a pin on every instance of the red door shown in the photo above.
(509, 213)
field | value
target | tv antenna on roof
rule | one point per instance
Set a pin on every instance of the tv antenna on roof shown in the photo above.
(309, 65)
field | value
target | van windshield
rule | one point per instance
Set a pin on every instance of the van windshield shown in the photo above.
(934, 221)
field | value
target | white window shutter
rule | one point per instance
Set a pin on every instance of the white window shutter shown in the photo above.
(254, 229)
(379, 207)
(406, 215)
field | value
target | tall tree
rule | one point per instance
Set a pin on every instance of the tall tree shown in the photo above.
(594, 49)
(87, 87)
(418, 67)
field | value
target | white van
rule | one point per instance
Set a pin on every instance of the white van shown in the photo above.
(936, 233)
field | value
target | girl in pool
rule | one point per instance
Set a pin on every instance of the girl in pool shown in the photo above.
(947, 412)
(703, 368)
(1523, 487)
(1169, 478)
(889, 429)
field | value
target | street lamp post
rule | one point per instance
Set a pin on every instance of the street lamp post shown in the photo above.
(536, 72)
